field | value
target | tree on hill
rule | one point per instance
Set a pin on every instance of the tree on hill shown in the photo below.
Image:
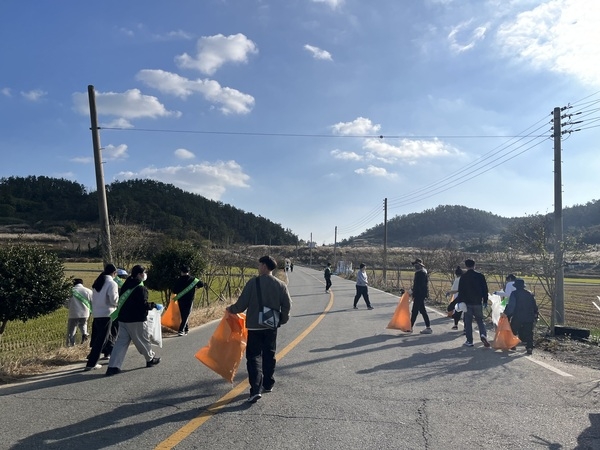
(32, 283)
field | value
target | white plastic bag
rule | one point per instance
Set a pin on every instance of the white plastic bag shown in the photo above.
(497, 308)
(153, 327)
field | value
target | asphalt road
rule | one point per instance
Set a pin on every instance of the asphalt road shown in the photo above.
(343, 382)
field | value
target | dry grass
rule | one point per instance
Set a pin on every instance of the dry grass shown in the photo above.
(35, 364)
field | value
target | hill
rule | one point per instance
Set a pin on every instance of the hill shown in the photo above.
(60, 206)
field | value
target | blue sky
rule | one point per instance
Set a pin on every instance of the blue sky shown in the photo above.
(309, 112)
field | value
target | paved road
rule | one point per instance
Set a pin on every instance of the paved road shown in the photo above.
(343, 382)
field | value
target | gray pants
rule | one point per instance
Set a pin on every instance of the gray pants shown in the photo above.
(131, 332)
(72, 326)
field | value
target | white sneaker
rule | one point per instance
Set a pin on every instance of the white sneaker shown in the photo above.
(96, 367)
(254, 398)
(427, 331)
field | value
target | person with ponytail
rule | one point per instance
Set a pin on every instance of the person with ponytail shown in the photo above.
(105, 295)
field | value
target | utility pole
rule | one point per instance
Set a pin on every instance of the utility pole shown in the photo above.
(385, 241)
(106, 247)
(334, 248)
(558, 307)
(310, 246)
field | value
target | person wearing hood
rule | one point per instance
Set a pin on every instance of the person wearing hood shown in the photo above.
(132, 312)
(522, 311)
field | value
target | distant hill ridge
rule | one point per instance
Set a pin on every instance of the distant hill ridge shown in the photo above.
(61, 206)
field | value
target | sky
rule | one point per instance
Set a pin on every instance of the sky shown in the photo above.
(310, 112)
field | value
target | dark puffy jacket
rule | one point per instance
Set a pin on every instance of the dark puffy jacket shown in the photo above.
(420, 285)
(521, 306)
(473, 288)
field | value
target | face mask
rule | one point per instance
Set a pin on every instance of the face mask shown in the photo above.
(145, 276)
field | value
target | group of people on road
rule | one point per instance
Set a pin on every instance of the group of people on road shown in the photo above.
(119, 304)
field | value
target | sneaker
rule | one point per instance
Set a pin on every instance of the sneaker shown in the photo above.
(369, 307)
(486, 344)
(181, 333)
(154, 361)
(427, 331)
(356, 307)
(254, 398)
(105, 358)
(468, 344)
(327, 292)
(513, 348)
(264, 389)
(455, 327)
(529, 351)
(112, 371)
(96, 367)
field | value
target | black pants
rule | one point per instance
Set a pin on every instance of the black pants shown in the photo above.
(185, 308)
(101, 330)
(260, 359)
(457, 314)
(419, 307)
(364, 292)
(524, 330)
(327, 283)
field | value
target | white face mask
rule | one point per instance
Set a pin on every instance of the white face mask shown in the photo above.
(145, 276)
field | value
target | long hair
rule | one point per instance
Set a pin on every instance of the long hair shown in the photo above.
(108, 270)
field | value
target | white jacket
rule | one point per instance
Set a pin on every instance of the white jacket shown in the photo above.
(78, 310)
(105, 301)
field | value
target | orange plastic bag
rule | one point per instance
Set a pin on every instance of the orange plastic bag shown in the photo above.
(226, 346)
(171, 318)
(505, 339)
(401, 318)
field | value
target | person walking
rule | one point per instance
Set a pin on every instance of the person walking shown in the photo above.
(522, 311)
(419, 292)
(452, 311)
(80, 305)
(473, 291)
(185, 288)
(105, 295)
(362, 286)
(132, 312)
(262, 341)
(327, 275)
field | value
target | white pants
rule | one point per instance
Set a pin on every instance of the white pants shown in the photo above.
(72, 326)
(130, 332)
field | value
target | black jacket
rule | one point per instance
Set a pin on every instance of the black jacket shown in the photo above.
(420, 285)
(135, 308)
(472, 288)
(521, 306)
(184, 281)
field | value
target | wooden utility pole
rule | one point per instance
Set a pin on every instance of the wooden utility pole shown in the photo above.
(334, 248)
(385, 241)
(310, 251)
(106, 247)
(558, 307)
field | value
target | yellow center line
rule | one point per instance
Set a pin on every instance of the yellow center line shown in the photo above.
(196, 423)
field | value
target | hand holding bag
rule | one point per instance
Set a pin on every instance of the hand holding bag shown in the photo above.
(267, 317)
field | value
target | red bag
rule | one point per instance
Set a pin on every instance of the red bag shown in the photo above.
(171, 318)
(401, 318)
(505, 339)
(225, 349)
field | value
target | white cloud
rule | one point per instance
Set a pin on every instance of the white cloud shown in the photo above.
(558, 36)
(359, 126)
(6, 92)
(334, 4)
(408, 150)
(376, 172)
(318, 53)
(82, 160)
(210, 180)
(467, 37)
(131, 104)
(182, 153)
(348, 156)
(34, 95)
(118, 123)
(214, 51)
(112, 153)
(231, 100)
(174, 35)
